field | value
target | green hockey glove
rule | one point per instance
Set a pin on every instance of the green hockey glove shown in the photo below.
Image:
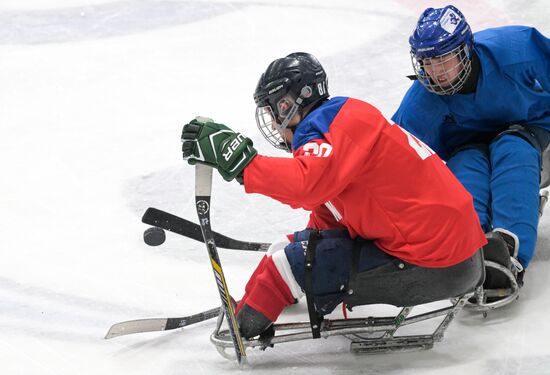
(207, 142)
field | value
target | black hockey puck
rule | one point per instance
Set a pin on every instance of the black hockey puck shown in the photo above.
(154, 236)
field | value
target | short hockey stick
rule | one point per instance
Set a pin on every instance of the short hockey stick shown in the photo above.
(186, 228)
(203, 190)
(159, 324)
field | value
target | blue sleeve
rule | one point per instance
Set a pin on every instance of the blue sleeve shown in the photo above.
(539, 53)
(423, 115)
(522, 53)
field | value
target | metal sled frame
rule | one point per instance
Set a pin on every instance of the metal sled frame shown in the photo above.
(367, 335)
(481, 294)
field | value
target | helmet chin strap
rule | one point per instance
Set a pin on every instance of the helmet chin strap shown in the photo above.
(304, 93)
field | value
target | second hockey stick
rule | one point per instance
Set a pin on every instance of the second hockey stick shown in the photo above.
(175, 224)
(159, 324)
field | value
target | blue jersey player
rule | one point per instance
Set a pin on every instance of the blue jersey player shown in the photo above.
(482, 102)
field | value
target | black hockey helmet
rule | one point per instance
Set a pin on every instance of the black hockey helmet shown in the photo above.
(288, 85)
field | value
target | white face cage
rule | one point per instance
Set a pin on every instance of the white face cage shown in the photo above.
(445, 74)
(272, 128)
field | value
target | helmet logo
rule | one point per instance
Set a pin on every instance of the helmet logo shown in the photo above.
(450, 20)
(425, 49)
(275, 89)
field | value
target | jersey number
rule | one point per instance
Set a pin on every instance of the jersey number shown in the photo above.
(312, 148)
(420, 147)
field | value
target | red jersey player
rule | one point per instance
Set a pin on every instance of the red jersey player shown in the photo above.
(354, 170)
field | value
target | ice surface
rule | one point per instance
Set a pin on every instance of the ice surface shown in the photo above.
(93, 96)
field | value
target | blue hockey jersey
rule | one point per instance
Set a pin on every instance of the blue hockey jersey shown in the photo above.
(513, 88)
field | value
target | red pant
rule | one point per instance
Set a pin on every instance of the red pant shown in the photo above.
(266, 291)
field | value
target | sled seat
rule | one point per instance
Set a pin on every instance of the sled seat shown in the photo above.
(399, 283)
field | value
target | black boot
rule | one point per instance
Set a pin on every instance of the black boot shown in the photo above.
(512, 242)
(252, 323)
(496, 251)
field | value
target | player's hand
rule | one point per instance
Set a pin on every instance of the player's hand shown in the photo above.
(207, 142)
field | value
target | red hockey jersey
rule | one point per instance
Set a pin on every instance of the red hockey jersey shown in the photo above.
(354, 169)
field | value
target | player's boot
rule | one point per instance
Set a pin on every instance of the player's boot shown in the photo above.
(251, 322)
(502, 248)
(512, 243)
(496, 251)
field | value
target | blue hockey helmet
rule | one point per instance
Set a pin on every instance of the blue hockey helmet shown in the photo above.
(442, 37)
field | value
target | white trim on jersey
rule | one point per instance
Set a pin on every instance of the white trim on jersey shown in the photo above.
(337, 215)
(277, 253)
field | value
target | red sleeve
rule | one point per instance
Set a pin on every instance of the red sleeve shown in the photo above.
(308, 180)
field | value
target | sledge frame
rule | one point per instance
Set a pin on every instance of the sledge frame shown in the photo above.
(368, 335)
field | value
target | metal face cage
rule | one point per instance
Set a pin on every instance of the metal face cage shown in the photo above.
(270, 129)
(445, 74)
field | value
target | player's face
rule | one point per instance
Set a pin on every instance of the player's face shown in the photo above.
(287, 133)
(271, 126)
(443, 70)
(285, 106)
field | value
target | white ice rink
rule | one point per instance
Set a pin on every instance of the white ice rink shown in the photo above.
(93, 95)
